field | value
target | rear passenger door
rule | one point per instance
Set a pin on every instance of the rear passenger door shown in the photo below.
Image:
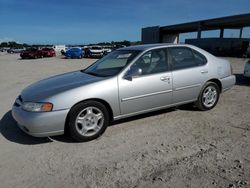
(189, 72)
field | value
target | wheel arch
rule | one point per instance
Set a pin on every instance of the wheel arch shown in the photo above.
(105, 103)
(218, 82)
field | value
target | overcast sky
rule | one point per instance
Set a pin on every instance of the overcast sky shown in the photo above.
(90, 21)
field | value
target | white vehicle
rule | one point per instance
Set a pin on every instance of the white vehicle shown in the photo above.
(59, 48)
(106, 50)
(95, 51)
(247, 69)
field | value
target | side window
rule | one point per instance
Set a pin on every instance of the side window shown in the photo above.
(182, 57)
(154, 61)
(199, 58)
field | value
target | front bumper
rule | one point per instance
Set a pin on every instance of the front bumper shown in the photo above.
(40, 124)
(228, 82)
(96, 54)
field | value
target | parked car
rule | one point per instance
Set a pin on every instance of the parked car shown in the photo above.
(48, 52)
(127, 82)
(74, 53)
(247, 69)
(3, 49)
(106, 51)
(31, 53)
(59, 48)
(94, 52)
(15, 50)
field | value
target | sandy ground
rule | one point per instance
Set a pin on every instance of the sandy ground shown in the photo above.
(177, 147)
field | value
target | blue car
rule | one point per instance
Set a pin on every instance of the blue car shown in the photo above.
(74, 53)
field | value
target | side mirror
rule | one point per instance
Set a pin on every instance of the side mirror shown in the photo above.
(133, 72)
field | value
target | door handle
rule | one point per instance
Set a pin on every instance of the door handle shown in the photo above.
(165, 78)
(204, 71)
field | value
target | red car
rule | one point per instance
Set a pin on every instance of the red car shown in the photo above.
(48, 52)
(31, 53)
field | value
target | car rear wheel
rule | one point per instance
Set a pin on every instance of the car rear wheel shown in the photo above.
(88, 120)
(208, 97)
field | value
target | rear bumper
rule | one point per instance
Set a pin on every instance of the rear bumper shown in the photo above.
(40, 124)
(228, 82)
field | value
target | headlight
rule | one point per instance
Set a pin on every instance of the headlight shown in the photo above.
(37, 107)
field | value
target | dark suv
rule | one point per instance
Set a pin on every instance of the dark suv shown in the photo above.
(32, 53)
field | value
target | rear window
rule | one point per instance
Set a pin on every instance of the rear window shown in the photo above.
(182, 58)
(199, 58)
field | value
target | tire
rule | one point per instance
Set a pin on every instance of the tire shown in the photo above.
(208, 96)
(87, 121)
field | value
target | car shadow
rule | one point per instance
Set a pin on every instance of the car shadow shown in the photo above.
(187, 107)
(241, 80)
(26, 59)
(10, 131)
(142, 116)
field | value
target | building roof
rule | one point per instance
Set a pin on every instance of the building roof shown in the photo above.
(229, 22)
(151, 46)
(143, 47)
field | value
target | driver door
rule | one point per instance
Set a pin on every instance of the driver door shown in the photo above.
(151, 89)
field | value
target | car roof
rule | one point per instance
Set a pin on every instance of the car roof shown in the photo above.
(151, 46)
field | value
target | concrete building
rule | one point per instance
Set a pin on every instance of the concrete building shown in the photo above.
(217, 46)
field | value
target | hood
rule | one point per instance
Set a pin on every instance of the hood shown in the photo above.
(57, 84)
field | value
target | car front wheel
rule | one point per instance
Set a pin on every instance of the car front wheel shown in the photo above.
(88, 120)
(208, 97)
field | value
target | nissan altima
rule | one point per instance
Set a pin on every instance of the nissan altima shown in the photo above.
(126, 82)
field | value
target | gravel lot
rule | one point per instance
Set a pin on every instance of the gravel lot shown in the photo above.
(177, 147)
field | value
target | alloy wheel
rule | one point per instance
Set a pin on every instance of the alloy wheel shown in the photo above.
(89, 121)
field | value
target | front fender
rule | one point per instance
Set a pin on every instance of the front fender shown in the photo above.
(106, 90)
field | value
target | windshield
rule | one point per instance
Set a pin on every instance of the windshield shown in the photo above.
(113, 63)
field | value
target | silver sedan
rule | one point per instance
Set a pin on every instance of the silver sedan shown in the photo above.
(127, 82)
